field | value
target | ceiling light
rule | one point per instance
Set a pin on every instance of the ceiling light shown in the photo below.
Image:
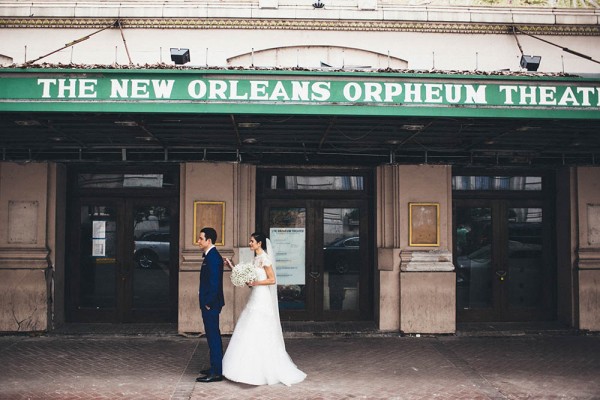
(28, 122)
(392, 141)
(144, 138)
(409, 127)
(527, 128)
(250, 140)
(57, 138)
(126, 123)
(248, 124)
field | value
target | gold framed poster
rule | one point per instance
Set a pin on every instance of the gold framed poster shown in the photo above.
(424, 224)
(210, 214)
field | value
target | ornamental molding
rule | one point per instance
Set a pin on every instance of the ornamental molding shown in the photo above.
(299, 24)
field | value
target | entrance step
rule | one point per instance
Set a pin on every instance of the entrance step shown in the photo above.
(329, 328)
(514, 328)
(137, 329)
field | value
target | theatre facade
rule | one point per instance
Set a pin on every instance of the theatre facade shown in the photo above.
(409, 198)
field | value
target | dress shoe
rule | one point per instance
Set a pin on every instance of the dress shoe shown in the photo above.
(205, 371)
(210, 378)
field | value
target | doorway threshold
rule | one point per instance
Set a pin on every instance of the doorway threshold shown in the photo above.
(552, 328)
(329, 328)
(109, 329)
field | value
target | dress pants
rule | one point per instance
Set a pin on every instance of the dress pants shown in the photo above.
(213, 337)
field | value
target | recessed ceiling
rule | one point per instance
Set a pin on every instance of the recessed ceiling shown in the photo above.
(288, 139)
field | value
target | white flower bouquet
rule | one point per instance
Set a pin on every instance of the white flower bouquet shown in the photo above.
(242, 274)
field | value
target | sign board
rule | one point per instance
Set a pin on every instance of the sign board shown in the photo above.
(298, 92)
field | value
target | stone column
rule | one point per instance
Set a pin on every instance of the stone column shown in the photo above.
(25, 267)
(417, 288)
(388, 247)
(234, 184)
(588, 251)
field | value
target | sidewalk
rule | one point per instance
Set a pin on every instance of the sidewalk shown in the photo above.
(158, 366)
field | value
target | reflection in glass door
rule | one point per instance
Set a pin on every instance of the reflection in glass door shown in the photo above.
(341, 259)
(502, 270)
(152, 257)
(473, 252)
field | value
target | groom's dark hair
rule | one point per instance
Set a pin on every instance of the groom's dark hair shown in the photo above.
(262, 238)
(210, 233)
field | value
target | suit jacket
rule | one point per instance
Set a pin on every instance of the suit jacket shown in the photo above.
(211, 280)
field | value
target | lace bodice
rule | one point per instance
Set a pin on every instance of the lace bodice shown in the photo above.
(260, 262)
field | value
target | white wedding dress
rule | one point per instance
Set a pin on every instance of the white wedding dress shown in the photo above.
(256, 353)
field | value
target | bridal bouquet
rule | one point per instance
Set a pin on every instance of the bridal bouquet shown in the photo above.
(243, 273)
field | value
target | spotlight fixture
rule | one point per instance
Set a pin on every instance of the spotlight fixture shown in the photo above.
(28, 122)
(531, 63)
(126, 123)
(180, 56)
(248, 124)
(412, 127)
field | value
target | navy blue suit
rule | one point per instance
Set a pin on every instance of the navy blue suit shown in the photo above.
(211, 295)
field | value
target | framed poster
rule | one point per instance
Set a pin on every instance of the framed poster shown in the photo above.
(210, 214)
(424, 224)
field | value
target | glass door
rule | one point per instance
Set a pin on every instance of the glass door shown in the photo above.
(124, 262)
(98, 257)
(151, 274)
(502, 259)
(322, 258)
(342, 260)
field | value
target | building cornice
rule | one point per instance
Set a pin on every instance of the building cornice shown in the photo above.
(301, 24)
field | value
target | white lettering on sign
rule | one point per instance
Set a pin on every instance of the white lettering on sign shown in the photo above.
(162, 89)
(568, 98)
(432, 93)
(321, 91)
(234, 92)
(140, 88)
(300, 91)
(475, 96)
(68, 88)
(335, 91)
(197, 89)
(412, 93)
(392, 90)
(352, 91)
(258, 90)
(586, 92)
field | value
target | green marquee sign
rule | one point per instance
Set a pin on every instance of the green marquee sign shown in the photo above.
(297, 92)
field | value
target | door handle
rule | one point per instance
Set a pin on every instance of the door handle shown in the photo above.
(501, 274)
(314, 275)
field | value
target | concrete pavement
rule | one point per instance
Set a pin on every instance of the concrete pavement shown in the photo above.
(150, 366)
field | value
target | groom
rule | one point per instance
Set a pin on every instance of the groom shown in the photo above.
(211, 302)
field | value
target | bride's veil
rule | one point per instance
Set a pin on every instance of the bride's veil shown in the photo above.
(273, 290)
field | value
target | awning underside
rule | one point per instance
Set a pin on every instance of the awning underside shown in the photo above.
(296, 139)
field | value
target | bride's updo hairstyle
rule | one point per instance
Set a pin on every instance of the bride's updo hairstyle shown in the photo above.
(260, 238)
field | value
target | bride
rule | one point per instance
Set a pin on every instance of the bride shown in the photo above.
(256, 353)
